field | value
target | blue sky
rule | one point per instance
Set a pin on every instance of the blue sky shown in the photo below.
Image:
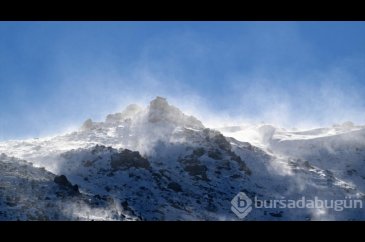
(54, 75)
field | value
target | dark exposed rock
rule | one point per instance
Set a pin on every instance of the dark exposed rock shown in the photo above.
(241, 164)
(217, 138)
(87, 163)
(125, 205)
(98, 149)
(127, 159)
(235, 176)
(194, 167)
(110, 174)
(307, 165)
(88, 125)
(211, 207)
(12, 202)
(165, 173)
(226, 164)
(215, 154)
(199, 171)
(189, 161)
(161, 111)
(222, 143)
(63, 182)
(351, 172)
(199, 152)
(114, 118)
(174, 186)
(127, 209)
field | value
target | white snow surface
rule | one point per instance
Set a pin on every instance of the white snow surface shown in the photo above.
(182, 171)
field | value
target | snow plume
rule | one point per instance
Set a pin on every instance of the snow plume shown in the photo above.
(318, 99)
(224, 74)
(83, 211)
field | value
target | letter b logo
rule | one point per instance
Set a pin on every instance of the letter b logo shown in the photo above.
(241, 205)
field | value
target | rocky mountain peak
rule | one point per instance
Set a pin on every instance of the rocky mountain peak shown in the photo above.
(161, 111)
(159, 103)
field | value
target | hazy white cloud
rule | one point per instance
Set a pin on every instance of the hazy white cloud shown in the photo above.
(266, 92)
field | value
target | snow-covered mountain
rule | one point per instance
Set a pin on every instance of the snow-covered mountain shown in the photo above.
(156, 163)
(340, 148)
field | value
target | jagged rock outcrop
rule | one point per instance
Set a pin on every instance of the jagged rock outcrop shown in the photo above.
(63, 182)
(160, 111)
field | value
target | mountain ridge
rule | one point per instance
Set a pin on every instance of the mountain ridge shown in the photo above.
(157, 163)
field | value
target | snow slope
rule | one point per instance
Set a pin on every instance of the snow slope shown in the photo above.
(156, 163)
(29, 193)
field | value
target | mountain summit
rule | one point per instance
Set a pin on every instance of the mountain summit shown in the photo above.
(157, 163)
(160, 111)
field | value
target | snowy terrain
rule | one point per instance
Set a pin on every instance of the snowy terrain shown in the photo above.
(156, 163)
